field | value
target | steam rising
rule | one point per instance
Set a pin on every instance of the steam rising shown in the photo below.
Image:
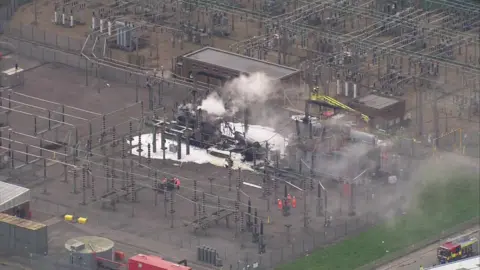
(213, 105)
(241, 92)
(245, 90)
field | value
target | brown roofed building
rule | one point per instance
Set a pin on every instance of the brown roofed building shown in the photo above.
(215, 66)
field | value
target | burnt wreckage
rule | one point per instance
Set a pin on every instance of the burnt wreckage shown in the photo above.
(215, 134)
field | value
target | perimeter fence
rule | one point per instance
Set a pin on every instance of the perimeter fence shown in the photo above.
(50, 47)
(300, 243)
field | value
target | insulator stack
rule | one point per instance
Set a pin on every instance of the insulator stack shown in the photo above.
(149, 157)
(84, 184)
(195, 190)
(104, 125)
(84, 178)
(130, 126)
(93, 188)
(139, 142)
(242, 222)
(237, 207)
(204, 212)
(132, 187)
(105, 167)
(74, 181)
(124, 154)
(107, 172)
(114, 136)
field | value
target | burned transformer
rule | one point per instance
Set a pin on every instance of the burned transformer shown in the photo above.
(214, 133)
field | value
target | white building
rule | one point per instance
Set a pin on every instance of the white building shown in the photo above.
(466, 264)
(14, 200)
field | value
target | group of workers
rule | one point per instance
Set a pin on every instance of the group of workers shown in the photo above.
(288, 201)
(175, 181)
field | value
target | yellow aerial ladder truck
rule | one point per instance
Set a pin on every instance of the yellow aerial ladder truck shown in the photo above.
(315, 96)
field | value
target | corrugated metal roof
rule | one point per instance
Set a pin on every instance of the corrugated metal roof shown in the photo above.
(240, 63)
(377, 102)
(20, 222)
(12, 195)
(467, 264)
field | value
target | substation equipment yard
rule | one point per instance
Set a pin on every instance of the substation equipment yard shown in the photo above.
(120, 136)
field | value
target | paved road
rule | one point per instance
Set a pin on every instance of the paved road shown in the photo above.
(425, 257)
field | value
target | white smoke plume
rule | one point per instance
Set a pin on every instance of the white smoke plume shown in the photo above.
(240, 93)
(213, 105)
(246, 90)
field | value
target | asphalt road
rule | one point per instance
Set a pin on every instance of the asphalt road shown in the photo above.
(425, 257)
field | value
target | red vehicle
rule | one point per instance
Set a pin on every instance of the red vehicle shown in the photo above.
(148, 262)
(458, 248)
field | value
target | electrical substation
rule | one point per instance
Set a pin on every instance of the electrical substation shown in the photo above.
(233, 133)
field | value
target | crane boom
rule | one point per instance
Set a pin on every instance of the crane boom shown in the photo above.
(333, 102)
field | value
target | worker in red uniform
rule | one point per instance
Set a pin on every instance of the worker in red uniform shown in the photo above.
(294, 202)
(177, 183)
(280, 204)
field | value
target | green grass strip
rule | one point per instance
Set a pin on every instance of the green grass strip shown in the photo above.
(439, 206)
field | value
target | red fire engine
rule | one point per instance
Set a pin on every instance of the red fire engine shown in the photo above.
(147, 262)
(457, 248)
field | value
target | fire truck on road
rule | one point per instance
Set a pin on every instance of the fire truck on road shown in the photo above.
(458, 248)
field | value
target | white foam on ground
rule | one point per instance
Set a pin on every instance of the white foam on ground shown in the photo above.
(197, 155)
(201, 155)
(258, 133)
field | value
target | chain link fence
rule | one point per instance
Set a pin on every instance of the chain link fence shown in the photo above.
(278, 251)
(464, 142)
(43, 37)
(39, 262)
(49, 47)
